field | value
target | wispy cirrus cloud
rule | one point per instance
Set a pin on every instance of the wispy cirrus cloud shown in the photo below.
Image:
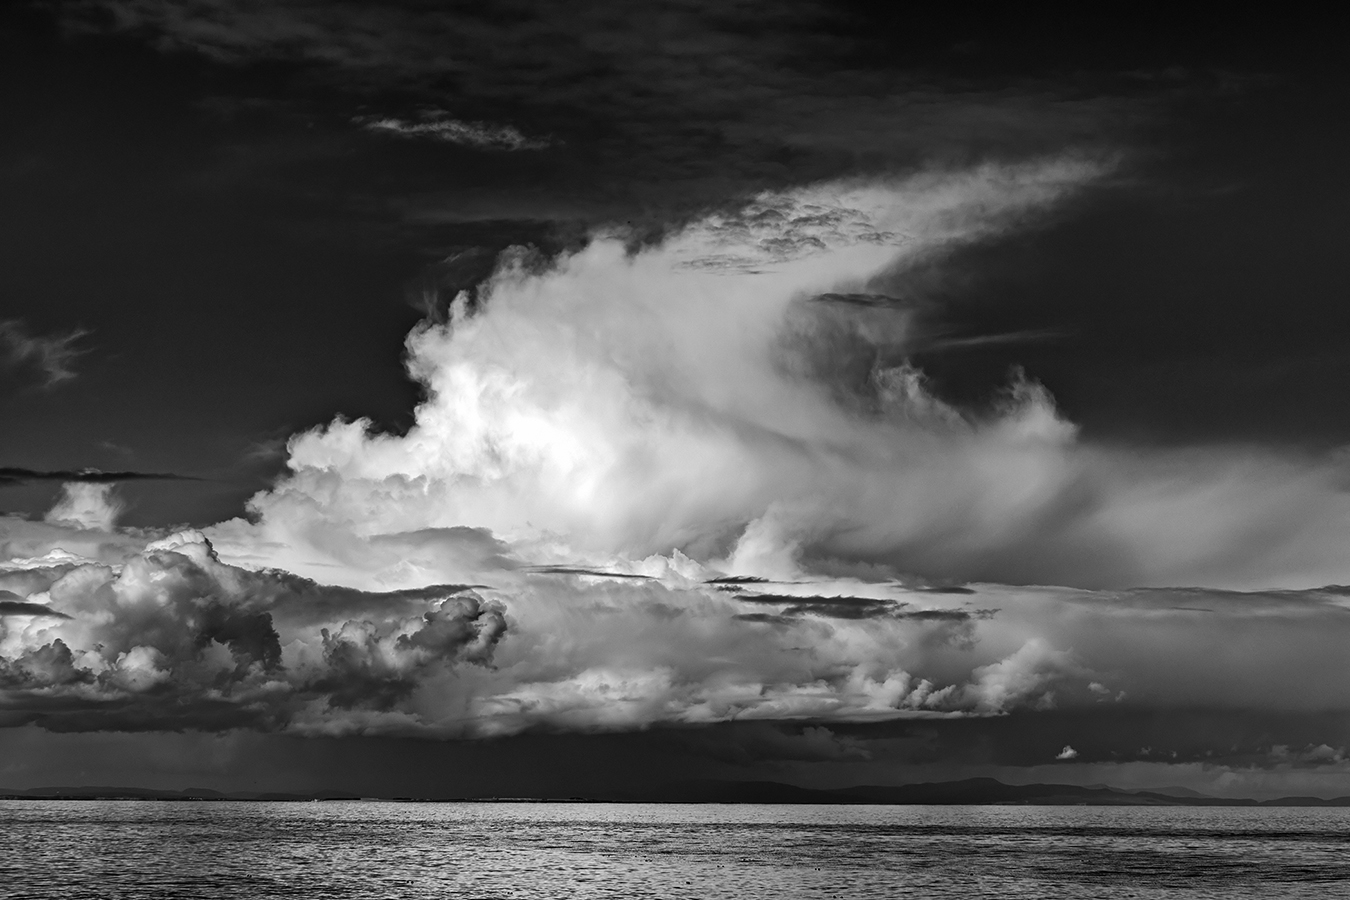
(480, 135)
(693, 106)
(44, 360)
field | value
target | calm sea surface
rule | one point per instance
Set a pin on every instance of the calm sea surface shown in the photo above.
(76, 849)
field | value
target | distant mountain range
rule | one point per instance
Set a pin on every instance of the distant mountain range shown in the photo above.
(971, 791)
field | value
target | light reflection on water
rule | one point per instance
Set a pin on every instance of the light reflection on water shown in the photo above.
(126, 849)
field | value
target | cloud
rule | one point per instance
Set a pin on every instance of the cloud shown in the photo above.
(1311, 756)
(1067, 753)
(27, 546)
(1025, 675)
(145, 633)
(12, 475)
(684, 397)
(837, 607)
(12, 604)
(42, 360)
(480, 135)
(658, 117)
(174, 639)
(613, 405)
(662, 484)
(87, 505)
(582, 570)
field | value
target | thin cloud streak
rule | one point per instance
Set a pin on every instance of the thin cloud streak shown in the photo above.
(692, 107)
(481, 135)
(15, 475)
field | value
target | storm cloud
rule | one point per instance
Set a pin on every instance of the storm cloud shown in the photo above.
(174, 638)
(663, 484)
(630, 409)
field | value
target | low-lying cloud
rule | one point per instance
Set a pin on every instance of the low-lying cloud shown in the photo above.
(174, 638)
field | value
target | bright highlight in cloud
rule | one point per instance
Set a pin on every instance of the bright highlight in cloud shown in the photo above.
(695, 396)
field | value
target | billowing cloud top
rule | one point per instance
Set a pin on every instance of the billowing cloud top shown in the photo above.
(743, 393)
(697, 482)
(173, 638)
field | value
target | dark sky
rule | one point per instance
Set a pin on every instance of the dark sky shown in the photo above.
(222, 220)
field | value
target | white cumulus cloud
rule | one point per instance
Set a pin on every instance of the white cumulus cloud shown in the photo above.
(697, 482)
(88, 505)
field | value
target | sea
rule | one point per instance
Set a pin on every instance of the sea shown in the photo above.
(342, 849)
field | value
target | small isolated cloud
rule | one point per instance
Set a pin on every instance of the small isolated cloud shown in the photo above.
(1067, 753)
(480, 135)
(1310, 756)
(35, 359)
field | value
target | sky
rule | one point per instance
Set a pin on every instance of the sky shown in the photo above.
(430, 399)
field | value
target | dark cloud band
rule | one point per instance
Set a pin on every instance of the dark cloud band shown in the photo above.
(10, 475)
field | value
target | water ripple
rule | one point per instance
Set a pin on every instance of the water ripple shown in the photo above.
(147, 849)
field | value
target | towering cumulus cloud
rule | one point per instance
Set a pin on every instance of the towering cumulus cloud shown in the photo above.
(693, 482)
(738, 393)
(742, 393)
